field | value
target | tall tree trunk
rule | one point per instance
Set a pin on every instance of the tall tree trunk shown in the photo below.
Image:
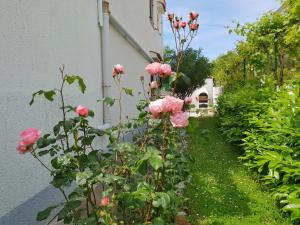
(275, 59)
(281, 73)
(244, 69)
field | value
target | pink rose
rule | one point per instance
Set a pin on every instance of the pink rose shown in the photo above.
(193, 15)
(153, 68)
(176, 24)
(183, 24)
(194, 26)
(172, 104)
(180, 119)
(28, 138)
(188, 100)
(117, 69)
(154, 85)
(105, 201)
(156, 107)
(82, 111)
(171, 16)
(21, 148)
(165, 70)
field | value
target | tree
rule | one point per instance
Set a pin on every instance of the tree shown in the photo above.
(195, 67)
(270, 48)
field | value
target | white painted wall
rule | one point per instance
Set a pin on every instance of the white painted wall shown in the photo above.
(207, 88)
(134, 65)
(136, 21)
(36, 37)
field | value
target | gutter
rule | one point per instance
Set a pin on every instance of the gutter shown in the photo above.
(103, 23)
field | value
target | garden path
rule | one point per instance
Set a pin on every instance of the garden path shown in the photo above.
(222, 191)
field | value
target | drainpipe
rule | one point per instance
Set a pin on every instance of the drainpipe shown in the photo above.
(103, 22)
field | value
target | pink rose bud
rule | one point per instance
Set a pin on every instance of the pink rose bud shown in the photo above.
(105, 201)
(179, 119)
(188, 100)
(154, 85)
(28, 138)
(176, 24)
(193, 15)
(171, 16)
(156, 107)
(194, 26)
(153, 68)
(117, 69)
(82, 111)
(172, 104)
(183, 24)
(165, 70)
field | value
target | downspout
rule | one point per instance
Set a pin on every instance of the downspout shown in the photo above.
(103, 22)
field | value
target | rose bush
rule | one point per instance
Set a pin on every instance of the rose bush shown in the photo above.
(137, 179)
(126, 182)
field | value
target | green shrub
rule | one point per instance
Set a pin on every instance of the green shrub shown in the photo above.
(267, 125)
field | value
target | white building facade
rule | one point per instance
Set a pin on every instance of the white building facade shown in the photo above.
(88, 37)
(209, 90)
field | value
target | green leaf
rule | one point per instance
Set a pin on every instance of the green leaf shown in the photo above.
(154, 158)
(73, 204)
(126, 147)
(69, 124)
(44, 152)
(128, 91)
(158, 221)
(108, 101)
(49, 95)
(91, 113)
(45, 141)
(156, 161)
(141, 167)
(72, 78)
(45, 213)
(56, 129)
(96, 131)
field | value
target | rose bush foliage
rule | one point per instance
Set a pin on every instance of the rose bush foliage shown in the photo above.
(137, 179)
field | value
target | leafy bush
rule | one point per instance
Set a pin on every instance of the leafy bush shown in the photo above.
(267, 123)
(137, 180)
(235, 106)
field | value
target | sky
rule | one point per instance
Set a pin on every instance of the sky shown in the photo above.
(213, 38)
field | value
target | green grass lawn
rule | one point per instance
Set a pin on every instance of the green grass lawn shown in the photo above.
(222, 191)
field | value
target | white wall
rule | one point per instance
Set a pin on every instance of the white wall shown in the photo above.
(134, 17)
(134, 65)
(207, 88)
(36, 37)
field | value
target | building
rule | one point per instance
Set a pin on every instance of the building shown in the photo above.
(88, 37)
(206, 95)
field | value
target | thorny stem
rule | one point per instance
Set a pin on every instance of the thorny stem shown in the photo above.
(120, 106)
(63, 104)
(47, 168)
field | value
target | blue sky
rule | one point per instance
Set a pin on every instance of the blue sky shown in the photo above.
(214, 14)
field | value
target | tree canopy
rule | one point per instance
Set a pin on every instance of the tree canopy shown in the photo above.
(194, 66)
(270, 48)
